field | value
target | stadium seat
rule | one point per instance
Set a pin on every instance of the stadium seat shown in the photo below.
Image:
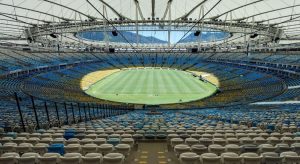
(189, 158)
(250, 158)
(271, 158)
(28, 158)
(49, 158)
(113, 158)
(71, 158)
(92, 158)
(210, 158)
(105, 148)
(230, 158)
(181, 148)
(9, 158)
(123, 149)
(290, 157)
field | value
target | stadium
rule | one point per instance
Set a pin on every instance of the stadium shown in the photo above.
(150, 82)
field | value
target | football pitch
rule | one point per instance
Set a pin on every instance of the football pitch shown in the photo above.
(151, 86)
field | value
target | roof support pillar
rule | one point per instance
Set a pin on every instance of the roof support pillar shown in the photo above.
(106, 36)
(170, 22)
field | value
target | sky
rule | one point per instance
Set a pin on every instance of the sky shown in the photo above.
(163, 35)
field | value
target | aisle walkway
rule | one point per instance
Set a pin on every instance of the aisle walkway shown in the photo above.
(154, 153)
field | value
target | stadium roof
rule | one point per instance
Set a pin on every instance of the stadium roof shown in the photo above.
(17, 15)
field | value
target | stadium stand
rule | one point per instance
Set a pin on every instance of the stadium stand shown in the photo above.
(243, 54)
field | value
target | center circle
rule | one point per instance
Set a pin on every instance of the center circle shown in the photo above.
(151, 86)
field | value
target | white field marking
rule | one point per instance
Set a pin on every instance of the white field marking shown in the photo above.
(294, 87)
(276, 103)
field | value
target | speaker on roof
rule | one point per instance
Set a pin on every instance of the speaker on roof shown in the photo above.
(29, 36)
(114, 33)
(276, 39)
(197, 33)
(252, 36)
(53, 35)
(194, 50)
(30, 39)
(277, 36)
(111, 50)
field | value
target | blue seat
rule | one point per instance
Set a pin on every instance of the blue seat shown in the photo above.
(161, 136)
(56, 148)
(12, 134)
(41, 131)
(70, 131)
(113, 141)
(69, 135)
(150, 136)
(271, 127)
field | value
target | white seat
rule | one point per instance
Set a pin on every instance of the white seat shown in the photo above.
(210, 158)
(259, 140)
(40, 148)
(71, 158)
(99, 141)
(92, 158)
(89, 148)
(35, 135)
(250, 158)
(6, 140)
(113, 158)
(191, 141)
(57, 135)
(283, 148)
(59, 141)
(176, 141)
(33, 140)
(296, 148)
(9, 147)
(199, 149)
(105, 148)
(123, 149)
(114, 136)
(246, 140)
(217, 149)
(287, 140)
(24, 147)
(189, 158)
(126, 136)
(233, 141)
(86, 141)
(271, 158)
(233, 148)
(230, 158)
(9, 158)
(181, 148)
(266, 148)
(73, 148)
(273, 140)
(73, 141)
(46, 135)
(49, 158)
(19, 140)
(46, 140)
(23, 134)
(28, 158)
(129, 141)
(290, 157)
(219, 141)
(205, 141)
(196, 136)
(91, 136)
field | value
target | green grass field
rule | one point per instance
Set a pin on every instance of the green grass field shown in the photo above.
(151, 86)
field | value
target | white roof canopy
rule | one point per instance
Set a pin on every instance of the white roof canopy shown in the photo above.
(17, 15)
